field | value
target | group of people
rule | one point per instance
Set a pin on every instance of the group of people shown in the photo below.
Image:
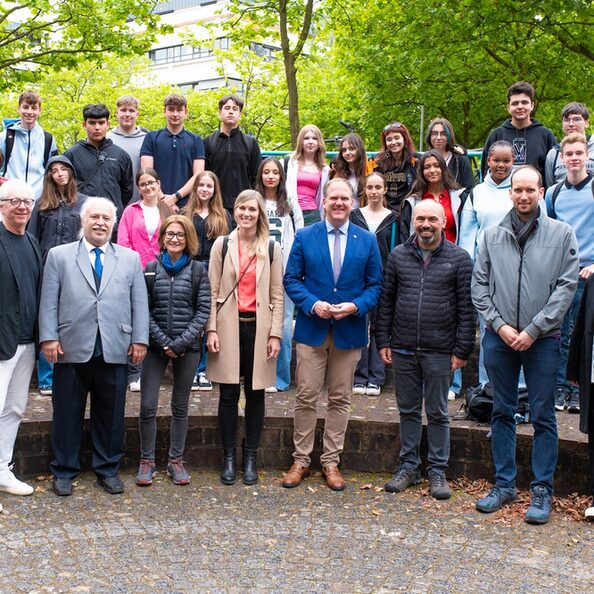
(137, 249)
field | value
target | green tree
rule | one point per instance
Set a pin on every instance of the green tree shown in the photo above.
(45, 34)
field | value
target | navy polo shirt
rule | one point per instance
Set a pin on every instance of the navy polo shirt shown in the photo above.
(173, 157)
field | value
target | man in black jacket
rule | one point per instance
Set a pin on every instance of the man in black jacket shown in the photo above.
(425, 328)
(231, 154)
(102, 168)
(20, 271)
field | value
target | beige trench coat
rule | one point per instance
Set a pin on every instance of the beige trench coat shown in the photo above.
(223, 367)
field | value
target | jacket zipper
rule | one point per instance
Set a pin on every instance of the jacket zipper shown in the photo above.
(28, 152)
(519, 289)
(169, 316)
(421, 288)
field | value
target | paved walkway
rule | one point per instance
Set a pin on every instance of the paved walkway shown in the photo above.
(211, 538)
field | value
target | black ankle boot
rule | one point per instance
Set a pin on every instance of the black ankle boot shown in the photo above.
(250, 473)
(228, 470)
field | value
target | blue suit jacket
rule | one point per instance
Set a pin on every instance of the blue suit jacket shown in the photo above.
(309, 278)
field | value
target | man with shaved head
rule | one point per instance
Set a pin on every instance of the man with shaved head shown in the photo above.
(425, 328)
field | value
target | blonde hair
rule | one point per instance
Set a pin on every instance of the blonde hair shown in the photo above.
(259, 246)
(217, 223)
(320, 157)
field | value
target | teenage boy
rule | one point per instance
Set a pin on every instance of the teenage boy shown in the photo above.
(530, 140)
(233, 155)
(572, 201)
(574, 118)
(176, 154)
(102, 168)
(127, 134)
(27, 147)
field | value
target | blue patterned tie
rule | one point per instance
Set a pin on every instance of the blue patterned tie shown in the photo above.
(98, 264)
(336, 260)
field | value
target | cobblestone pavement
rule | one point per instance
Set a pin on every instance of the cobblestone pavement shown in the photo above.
(209, 538)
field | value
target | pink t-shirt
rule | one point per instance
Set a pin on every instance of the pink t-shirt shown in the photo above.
(307, 189)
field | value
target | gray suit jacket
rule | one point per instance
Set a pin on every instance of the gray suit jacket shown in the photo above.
(72, 309)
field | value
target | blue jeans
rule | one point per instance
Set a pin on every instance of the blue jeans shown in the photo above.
(566, 331)
(45, 371)
(540, 363)
(283, 363)
(370, 369)
(417, 377)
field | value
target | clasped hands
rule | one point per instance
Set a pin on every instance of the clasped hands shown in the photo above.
(325, 310)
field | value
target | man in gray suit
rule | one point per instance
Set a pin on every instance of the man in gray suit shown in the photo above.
(93, 314)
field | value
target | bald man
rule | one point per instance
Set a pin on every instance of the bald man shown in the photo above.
(425, 329)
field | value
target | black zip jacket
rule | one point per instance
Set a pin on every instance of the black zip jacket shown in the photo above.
(383, 233)
(426, 305)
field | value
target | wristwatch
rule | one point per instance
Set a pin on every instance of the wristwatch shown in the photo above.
(178, 196)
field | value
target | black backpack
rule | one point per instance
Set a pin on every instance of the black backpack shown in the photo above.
(10, 134)
(150, 271)
(479, 404)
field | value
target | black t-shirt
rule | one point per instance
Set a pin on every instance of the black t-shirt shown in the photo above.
(27, 271)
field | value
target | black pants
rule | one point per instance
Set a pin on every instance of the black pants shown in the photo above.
(254, 399)
(106, 382)
(591, 438)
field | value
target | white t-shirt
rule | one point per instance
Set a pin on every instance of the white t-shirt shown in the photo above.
(151, 219)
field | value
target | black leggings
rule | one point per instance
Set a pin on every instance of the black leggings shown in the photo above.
(254, 399)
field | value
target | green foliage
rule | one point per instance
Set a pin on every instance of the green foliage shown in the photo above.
(43, 34)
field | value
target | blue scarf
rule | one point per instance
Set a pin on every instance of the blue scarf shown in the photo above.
(171, 268)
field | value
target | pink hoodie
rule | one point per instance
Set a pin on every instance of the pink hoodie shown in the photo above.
(132, 234)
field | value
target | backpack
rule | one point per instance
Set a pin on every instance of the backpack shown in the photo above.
(10, 135)
(150, 272)
(479, 404)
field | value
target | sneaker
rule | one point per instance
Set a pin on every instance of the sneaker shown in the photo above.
(438, 485)
(452, 395)
(373, 390)
(403, 478)
(146, 472)
(195, 386)
(203, 384)
(497, 497)
(589, 513)
(177, 472)
(561, 398)
(540, 506)
(45, 390)
(359, 389)
(573, 403)
(11, 484)
(134, 386)
(271, 390)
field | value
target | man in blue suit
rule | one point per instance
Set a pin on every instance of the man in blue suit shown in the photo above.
(334, 278)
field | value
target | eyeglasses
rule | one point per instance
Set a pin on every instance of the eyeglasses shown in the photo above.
(16, 202)
(392, 125)
(180, 236)
(438, 134)
(149, 184)
(573, 119)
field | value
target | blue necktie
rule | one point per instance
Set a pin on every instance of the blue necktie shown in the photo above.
(98, 264)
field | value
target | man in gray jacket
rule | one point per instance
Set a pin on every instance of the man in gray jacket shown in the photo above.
(524, 279)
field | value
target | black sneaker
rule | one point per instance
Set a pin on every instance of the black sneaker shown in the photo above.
(438, 486)
(402, 479)
(573, 403)
(561, 398)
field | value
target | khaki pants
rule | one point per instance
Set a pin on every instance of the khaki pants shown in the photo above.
(312, 363)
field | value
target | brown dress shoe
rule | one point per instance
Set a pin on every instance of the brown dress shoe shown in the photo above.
(333, 477)
(295, 475)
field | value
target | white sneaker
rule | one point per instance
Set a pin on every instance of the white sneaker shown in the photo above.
(1, 508)
(359, 389)
(11, 484)
(134, 386)
(452, 395)
(373, 390)
(271, 390)
(589, 513)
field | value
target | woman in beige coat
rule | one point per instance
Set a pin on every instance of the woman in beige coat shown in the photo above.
(245, 327)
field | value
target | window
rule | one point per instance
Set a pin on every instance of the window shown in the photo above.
(181, 53)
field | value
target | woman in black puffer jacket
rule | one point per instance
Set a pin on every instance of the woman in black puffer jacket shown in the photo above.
(179, 304)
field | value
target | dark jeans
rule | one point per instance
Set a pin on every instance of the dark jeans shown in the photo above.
(153, 368)
(540, 363)
(106, 383)
(370, 369)
(566, 332)
(591, 438)
(416, 377)
(254, 399)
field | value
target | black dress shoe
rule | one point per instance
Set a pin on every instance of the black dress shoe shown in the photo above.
(62, 487)
(112, 484)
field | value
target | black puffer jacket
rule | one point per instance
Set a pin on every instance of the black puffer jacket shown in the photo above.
(175, 321)
(426, 306)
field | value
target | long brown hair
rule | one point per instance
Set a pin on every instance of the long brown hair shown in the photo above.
(385, 160)
(282, 201)
(51, 195)
(164, 210)
(217, 223)
(447, 181)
